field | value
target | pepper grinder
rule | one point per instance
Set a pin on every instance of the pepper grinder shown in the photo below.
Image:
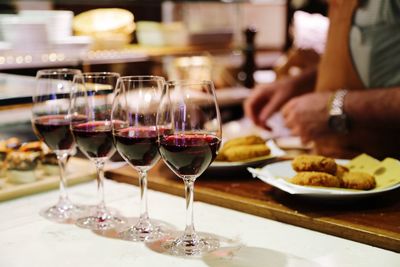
(246, 75)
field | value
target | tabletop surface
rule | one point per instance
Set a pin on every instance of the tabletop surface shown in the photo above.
(371, 220)
(26, 239)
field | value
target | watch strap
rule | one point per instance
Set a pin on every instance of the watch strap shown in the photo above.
(337, 103)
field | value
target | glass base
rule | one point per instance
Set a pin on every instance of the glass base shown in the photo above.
(101, 220)
(143, 230)
(190, 244)
(63, 212)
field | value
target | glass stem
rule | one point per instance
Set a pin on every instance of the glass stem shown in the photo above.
(62, 162)
(100, 184)
(189, 194)
(144, 216)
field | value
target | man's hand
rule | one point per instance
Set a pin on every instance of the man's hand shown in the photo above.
(266, 100)
(307, 115)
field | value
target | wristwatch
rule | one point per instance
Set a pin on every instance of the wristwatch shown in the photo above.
(338, 121)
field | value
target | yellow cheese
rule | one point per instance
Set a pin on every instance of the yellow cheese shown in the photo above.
(387, 173)
(363, 163)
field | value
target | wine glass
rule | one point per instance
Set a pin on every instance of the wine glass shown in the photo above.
(51, 123)
(91, 102)
(135, 135)
(189, 127)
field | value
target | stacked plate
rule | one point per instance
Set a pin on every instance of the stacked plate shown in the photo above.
(41, 30)
(21, 32)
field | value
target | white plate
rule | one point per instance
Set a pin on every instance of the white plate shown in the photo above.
(76, 44)
(277, 175)
(242, 165)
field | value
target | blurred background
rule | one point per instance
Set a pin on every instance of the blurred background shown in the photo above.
(235, 43)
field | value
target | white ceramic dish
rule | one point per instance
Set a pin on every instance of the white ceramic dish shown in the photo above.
(58, 22)
(277, 175)
(20, 31)
(73, 44)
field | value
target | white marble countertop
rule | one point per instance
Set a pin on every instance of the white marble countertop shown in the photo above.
(26, 239)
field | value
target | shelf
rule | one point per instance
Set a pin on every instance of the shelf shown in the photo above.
(61, 58)
(74, 57)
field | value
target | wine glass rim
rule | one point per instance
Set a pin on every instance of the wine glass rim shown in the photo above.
(189, 82)
(141, 78)
(57, 71)
(98, 74)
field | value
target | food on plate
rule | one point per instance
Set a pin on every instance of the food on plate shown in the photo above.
(48, 159)
(6, 146)
(241, 153)
(358, 180)
(36, 146)
(364, 163)
(3, 163)
(305, 163)
(3, 152)
(221, 156)
(243, 141)
(387, 173)
(322, 171)
(316, 179)
(243, 148)
(50, 163)
(12, 143)
(341, 170)
(25, 162)
(22, 166)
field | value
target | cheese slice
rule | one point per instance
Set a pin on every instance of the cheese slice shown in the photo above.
(387, 173)
(363, 163)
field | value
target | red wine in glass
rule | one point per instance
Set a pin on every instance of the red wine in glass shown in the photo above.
(94, 138)
(55, 131)
(92, 98)
(134, 115)
(139, 146)
(51, 123)
(190, 110)
(189, 154)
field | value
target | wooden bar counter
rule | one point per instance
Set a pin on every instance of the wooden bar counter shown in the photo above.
(374, 221)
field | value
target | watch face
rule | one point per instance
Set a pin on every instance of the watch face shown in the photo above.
(339, 123)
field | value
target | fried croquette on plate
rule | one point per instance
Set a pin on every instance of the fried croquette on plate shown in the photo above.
(341, 170)
(245, 140)
(243, 148)
(241, 153)
(221, 156)
(316, 179)
(312, 163)
(358, 180)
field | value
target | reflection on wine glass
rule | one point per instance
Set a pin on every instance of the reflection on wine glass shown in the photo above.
(135, 134)
(51, 123)
(91, 102)
(190, 112)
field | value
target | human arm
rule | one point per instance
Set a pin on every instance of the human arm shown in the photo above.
(378, 107)
(307, 116)
(267, 99)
